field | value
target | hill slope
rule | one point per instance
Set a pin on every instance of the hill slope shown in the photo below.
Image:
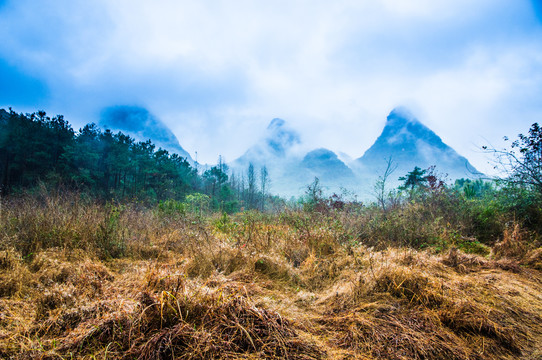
(141, 125)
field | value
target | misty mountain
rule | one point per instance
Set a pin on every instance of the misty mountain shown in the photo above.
(274, 147)
(404, 139)
(290, 169)
(409, 143)
(327, 167)
(141, 125)
(277, 151)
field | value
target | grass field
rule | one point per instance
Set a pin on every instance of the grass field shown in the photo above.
(92, 281)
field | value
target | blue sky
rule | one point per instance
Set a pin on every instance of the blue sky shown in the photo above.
(217, 72)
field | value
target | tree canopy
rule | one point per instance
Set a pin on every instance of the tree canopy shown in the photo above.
(37, 149)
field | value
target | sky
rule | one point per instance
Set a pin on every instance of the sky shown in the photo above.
(217, 72)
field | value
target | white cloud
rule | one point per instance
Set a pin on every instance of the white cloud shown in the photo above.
(218, 71)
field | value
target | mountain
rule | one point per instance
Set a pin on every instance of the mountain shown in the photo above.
(404, 139)
(291, 170)
(141, 125)
(275, 146)
(277, 151)
(326, 166)
(409, 143)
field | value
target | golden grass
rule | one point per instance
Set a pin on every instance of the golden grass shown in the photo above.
(260, 287)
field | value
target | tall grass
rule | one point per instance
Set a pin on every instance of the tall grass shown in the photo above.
(83, 279)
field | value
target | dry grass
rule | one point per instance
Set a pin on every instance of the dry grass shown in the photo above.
(257, 287)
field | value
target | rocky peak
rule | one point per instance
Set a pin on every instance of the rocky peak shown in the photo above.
(410, 143)
(280, 137)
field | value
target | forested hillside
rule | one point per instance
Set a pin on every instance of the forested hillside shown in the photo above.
(36, 149)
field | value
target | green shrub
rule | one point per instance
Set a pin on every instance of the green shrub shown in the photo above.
(172, 208)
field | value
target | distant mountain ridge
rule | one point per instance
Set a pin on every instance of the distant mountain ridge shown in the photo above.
(404, 139)
(289, 169)
(142, 125)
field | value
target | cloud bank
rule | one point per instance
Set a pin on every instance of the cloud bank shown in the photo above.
(217, 72)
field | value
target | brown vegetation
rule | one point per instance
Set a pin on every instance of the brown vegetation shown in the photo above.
(90, 281)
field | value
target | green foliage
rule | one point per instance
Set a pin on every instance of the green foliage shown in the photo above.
(109, 236)
(473, 189)
(487, 219)
(527, 165)
(36, 149)
(414, 179)
(473, 246)
(313, 198)
(222, 222)
(198, 203)
(172, 208)
(31, 146)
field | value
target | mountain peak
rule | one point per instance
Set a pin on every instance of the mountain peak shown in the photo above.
(326, 166)
(401, 117)
(401, 112)
(280, 137)
(402, 127)
(276, 123)
(275, 144)
(410, 143)
(139, 123)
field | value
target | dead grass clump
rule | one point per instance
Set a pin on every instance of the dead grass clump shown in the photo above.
(107, 335)
(506, 264)
(10, 285)
(51, 267)
(317, 273)
(463, 263)
(92, 275)
(161, 278)
(534, 258)
(199, 266)
(410, 284)
(468, 263)
(515, 243)
(9, 259)
(65, 321)
(296, 255)
(225, 329)
(86, 275)
(405, 335)
(14, 275)
(191, 324)
(231, 260)
(465, 317)
(56, 297)
(224, 259)
(274, 269)
(407, 306)
(148, 252)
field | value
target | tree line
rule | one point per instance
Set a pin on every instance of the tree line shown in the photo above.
(38, 149)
